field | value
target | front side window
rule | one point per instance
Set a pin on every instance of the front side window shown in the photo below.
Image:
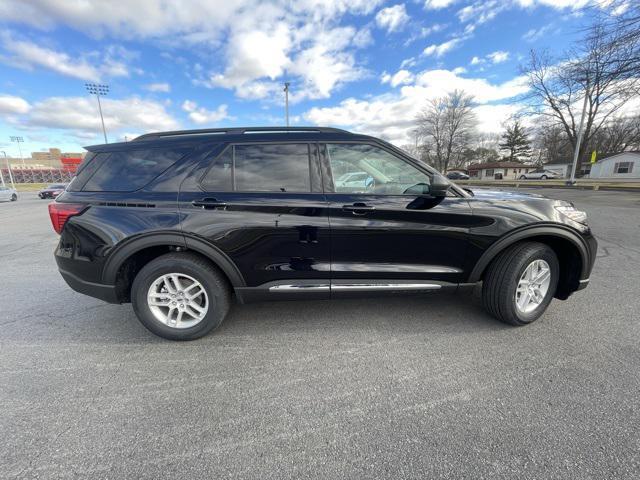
(360, 168)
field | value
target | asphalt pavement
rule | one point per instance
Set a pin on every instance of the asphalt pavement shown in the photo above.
(415, 387)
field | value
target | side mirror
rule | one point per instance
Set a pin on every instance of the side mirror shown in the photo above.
(439, 186)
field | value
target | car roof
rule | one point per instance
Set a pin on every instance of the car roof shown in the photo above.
(234, 135)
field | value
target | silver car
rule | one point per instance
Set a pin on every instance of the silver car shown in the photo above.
(8, 194)
(539, 174)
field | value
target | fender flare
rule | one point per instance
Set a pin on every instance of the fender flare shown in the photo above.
(130, 247)
(559, 231)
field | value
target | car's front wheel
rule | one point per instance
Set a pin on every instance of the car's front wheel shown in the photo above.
(14, 197)
(521, 282)
(543, 177)
(180, 296)
(522, 177)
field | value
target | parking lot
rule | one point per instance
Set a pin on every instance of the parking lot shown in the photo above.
(412, 387)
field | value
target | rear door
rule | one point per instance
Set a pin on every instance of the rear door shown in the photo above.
(387, 230)
(262, 204)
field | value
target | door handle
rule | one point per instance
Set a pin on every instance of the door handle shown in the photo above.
(358, 208)
(208, 203)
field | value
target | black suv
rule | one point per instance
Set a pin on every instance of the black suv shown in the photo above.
(178, 223)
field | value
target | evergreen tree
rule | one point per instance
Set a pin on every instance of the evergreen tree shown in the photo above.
(516, 142)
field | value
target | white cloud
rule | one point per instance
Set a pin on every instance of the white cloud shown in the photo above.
(158, 87)
(534, 34)
(258, 42)
(81, 114)
(393, 115)
(201, 115)
(438, 50)
(13, 105)
(392, 18)
(29, 56)
(401, 77)
(476, 60)
(498, 56)
(438, 4)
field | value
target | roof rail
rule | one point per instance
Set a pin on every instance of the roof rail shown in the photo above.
(237, 131)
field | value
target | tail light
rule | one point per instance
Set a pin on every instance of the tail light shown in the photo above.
(61, 212)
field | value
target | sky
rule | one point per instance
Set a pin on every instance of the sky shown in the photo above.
(365, 65)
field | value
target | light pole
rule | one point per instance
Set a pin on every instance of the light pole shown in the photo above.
(9, 167)
(19, 140)
(99, 90)
(286, 101)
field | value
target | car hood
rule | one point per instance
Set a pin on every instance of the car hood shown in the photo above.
(489, 194)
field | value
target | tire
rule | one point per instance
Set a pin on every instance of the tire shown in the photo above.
(543, 177)
(14, 197)
(522, 177)
(503, 276)
(217, 295)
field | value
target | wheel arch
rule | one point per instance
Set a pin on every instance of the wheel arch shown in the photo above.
(570, 248)
(153, 245)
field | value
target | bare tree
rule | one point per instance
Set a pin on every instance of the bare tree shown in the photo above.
(447, 126)
(594, 77)
(617, 135)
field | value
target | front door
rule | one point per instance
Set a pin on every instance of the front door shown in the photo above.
(262, 205)
(386, 231)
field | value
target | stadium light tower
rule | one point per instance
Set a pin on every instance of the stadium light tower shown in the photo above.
(19, 140)
(99, 90)
(9, 169)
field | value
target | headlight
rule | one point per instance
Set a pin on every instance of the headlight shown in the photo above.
(573, 213)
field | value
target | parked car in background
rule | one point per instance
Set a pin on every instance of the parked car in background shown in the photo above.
(182, 223)
(538, 174)
(8, 194)
(457, 176)
(52, 191)
(360, 180)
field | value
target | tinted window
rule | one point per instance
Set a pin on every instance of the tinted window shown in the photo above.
(218, 177)
(86, 169)
(272, 168)
(386, 174)
(130, 170)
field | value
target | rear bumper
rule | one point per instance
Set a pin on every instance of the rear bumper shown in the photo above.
(106, 293)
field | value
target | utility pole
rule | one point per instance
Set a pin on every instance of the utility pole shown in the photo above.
(9, 168)
(576, 152)
(19, 140)
(286, 100)
(99, 90)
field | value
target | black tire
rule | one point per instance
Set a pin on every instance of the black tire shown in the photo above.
(203, 271)
(522, 177)
(14, 197)
(503, 275)
(543, 177)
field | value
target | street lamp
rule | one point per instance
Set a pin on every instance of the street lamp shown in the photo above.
(9, 167)
(286, 100)
(19, 140)
(99, 90)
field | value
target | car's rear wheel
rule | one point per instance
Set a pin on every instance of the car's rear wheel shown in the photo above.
(180, 296)
(522, 177)
(521, 282)
(14, 197)
(543, 177)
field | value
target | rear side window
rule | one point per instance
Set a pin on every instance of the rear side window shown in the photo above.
(262, 168)
(272, 168)
(127, 171)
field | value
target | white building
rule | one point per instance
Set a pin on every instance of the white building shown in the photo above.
(617, 166)
(499, 170)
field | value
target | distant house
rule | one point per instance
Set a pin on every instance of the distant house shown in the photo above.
(498, 170)
(618, 165)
